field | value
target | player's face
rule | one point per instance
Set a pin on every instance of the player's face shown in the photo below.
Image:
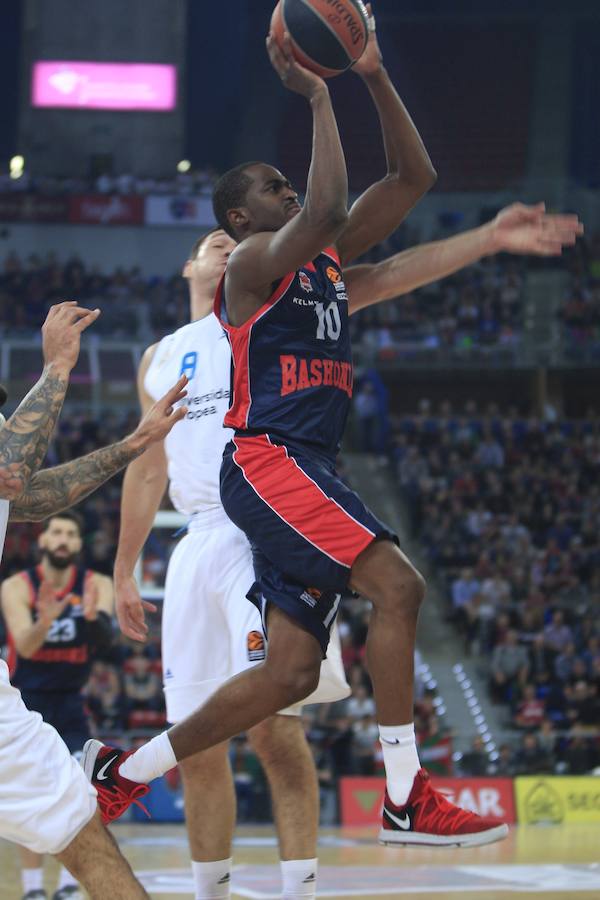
(60, 543)
(271, 200)
(211, 259)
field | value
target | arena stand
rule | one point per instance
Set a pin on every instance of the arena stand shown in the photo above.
(507, 510)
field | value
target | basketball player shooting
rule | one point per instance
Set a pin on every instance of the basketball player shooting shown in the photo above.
(46, 803)
(286, 320)
(209, 630)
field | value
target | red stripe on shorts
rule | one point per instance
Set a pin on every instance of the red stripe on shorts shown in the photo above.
(284, 486)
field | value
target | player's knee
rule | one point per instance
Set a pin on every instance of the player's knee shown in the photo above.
(295, 680)
(405, 591)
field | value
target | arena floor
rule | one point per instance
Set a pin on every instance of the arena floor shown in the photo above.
(558, 861)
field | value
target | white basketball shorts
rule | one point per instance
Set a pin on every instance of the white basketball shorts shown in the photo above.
(210, 630)
(45, 799)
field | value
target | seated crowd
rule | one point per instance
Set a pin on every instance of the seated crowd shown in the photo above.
(133, 306)
(579, 313)
(508, 511)
(480, 307)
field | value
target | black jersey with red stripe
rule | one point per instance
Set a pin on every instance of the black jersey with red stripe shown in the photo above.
(292, 360)
(62, 663)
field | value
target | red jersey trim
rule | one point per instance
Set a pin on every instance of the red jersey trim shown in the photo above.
(239, 341)
(280, 482)
(247, 325)
(332, 253)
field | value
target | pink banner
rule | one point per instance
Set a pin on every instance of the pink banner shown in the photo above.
(86, 85)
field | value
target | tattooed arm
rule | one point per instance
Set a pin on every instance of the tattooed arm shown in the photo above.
(52, 490)
(24, 439)
(55, 489)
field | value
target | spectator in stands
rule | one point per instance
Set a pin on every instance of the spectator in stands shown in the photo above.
(360, 704)
(504, 766)
(475, 762)
(104, 697)
(366, 408)
(557, 635)
(510, 667)
(365, 736)
(464, 589)
(143, 688)
(531, 758)
(530, 710)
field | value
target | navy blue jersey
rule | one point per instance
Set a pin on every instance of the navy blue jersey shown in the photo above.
(292, 360)
(62, 663)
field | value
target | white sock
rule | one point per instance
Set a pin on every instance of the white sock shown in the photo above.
(299, 878)
(65, 878)
(401, 760)
(150, 760)
(33, 879)
(212, 879)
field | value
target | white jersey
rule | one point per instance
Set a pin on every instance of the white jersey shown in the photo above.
(194, 448)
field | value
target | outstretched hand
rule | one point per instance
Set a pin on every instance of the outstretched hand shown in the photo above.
(294, 76)
(161, 417)
(529, 229)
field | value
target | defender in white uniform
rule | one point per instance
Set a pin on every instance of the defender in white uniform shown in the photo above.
(45, 799)
(210, 631)
(46, 802)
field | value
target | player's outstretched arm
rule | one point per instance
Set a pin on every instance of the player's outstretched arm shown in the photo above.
(63, 486)
(410, 172)
(143, 488)
(517, 229)
(24, 438)
(262, 258)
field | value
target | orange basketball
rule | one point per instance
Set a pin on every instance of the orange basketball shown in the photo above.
(328, 36)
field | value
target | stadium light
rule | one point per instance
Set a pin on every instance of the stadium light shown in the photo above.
(16, 166)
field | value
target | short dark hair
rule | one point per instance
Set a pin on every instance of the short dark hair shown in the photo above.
(69, 514)
(230, 192)
(198, 243)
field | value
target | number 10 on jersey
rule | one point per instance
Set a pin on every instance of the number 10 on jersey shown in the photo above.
(330, 323)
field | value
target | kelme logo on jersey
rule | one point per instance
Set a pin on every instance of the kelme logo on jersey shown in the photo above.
(305, 283)
(256, 646)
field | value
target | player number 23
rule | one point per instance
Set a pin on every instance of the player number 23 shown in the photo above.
(61, 630)
(329, 321)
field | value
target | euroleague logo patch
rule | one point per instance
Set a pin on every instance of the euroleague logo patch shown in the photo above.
(333, 274)
(256, 646)
(305, 282)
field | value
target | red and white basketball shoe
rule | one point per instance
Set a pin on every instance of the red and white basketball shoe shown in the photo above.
(116, 794)
(428, 817)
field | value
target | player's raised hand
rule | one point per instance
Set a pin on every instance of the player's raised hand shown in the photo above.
(61, 333)
(49, 605)
(130, 607)
(529, 229)
(371, 61)
(294, 76)
(161, 417)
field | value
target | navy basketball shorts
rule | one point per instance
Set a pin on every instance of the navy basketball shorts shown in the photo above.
(305, 526)
(65, 712)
